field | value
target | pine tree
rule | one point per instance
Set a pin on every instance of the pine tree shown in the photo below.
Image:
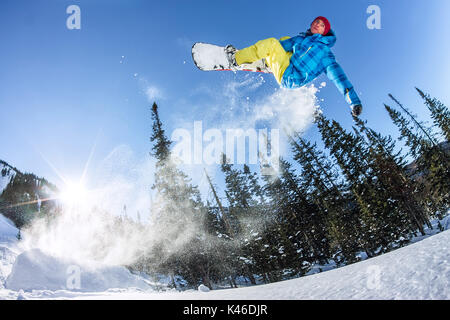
(297, 223)
(437, 159)
(178, 214)
(222, 235)
(396, 192)
(431, 161)
(245, 214)
(439, 113)
(338, 222)
(415, 143)
(350, 152)
(426, 133)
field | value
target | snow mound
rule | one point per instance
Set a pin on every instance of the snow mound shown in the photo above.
(203, 288)
(35, 270)
(8, 249)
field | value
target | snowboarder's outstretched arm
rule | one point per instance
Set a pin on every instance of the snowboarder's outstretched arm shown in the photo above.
(337, 75)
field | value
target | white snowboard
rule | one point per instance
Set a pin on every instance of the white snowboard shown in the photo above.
(209, 57)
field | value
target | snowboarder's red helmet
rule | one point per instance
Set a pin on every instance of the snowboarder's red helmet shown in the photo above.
(326, 23)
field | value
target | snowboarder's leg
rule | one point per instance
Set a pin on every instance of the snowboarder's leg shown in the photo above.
(271, 50)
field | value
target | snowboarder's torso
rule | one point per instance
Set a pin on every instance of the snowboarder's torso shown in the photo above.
(311, 55)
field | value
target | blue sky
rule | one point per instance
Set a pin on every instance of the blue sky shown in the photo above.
(63, 91)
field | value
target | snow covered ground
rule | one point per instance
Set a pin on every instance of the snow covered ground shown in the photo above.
(418, 271)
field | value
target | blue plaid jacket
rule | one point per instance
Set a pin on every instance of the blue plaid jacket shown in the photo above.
(311, 57)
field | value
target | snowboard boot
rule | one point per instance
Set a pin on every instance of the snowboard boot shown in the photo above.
(230, 51)
(356, 110)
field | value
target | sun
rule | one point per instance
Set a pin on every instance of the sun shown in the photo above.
(75, 193)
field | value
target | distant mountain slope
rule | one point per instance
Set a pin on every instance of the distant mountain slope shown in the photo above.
(21, 195)
(7, 173)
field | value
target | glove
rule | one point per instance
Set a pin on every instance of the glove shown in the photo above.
(356, 110)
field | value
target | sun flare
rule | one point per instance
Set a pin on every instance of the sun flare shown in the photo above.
(75, 193)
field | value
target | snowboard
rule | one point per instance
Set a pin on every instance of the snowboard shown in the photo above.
(210, 57)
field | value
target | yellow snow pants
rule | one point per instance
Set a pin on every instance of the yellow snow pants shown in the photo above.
(271, 50)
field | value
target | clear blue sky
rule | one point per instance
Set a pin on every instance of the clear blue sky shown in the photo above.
(62, 91)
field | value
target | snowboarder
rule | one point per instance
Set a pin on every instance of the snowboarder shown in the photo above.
(299, 60)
